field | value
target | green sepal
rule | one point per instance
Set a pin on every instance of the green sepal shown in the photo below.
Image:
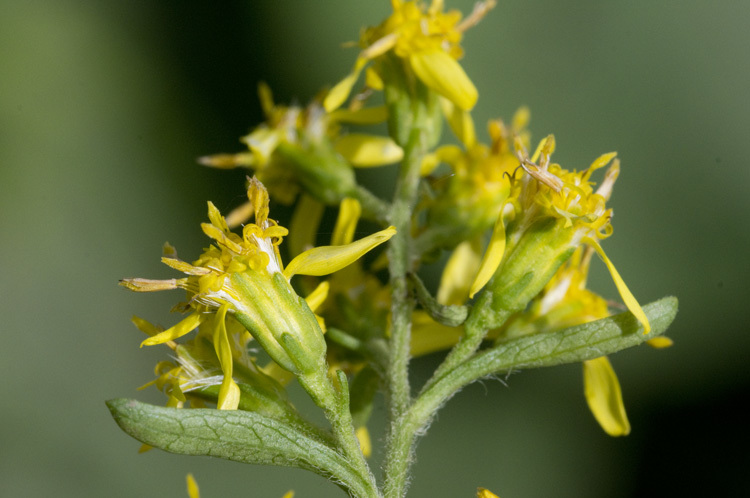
(233, 435)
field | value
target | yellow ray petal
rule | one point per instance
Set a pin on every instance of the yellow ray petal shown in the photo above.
(428, 336)
(485, 493)
(363, 435)
(364, 116)
(346, 223)
(221, 237)
(440, 72)
(460, 122)
(340, 92)
(366, 151)
(373, 79)
(602, 160)
(239, 215)
(456, 279)
(216, 218)
(520, 118)
(183, 327)
(603, 395)
(660, 342)
(318, 296)
(192, 487)
(229, 392)
(304, 225)
(323, 260)
(625, 294)
(492, 257)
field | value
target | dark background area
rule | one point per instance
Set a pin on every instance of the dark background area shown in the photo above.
(105, 106)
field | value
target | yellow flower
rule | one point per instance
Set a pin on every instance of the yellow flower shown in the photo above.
(560, 210)
(427, 40)
(243, 277)
(470, 198)
(306, 146)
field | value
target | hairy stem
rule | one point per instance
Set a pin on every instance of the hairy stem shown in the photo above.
(335, 405)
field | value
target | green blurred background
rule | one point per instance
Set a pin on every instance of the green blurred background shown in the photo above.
(104, 107)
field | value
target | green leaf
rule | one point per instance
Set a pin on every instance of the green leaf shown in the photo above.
(575, 344)
(237, 435)
(582, 342)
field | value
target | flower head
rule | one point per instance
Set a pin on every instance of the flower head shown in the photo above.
(469, 200)
(554, 211)
(306, 147)
(242, 276)
(427, 40)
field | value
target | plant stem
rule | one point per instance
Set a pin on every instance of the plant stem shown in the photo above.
(400, 264)
(475, 330)
(335, 405)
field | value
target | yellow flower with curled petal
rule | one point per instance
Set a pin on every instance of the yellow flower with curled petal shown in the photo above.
(564, 211)
(243, 276)
(427, 40)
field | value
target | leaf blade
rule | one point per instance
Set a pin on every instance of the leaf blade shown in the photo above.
(236, 435)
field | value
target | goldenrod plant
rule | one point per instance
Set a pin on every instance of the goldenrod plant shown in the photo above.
(265, 306)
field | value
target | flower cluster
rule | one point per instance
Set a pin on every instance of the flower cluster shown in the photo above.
(518, 231)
